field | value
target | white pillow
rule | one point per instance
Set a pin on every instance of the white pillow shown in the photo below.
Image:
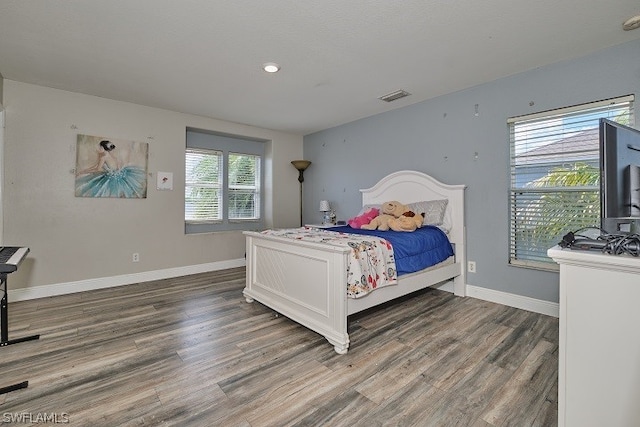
(447, 222)
(434, 210)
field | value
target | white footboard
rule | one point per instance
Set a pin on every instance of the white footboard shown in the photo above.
(304, 281)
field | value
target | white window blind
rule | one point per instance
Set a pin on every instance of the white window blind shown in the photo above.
(203, 185)
(244, 187)
(555, 175)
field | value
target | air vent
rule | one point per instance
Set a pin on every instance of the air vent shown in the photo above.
(394, 95)
(631, 23)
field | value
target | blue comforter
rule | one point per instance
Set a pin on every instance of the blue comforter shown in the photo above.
(413, 251)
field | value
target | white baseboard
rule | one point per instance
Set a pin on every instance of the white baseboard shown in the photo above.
(125, 279)
(504, 298)
(513, 300)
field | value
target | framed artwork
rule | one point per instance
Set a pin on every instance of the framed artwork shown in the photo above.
(107, 167)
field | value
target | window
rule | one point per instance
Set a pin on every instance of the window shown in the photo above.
(203, 186)
(223, 183)
(555, 176)
(244, 187)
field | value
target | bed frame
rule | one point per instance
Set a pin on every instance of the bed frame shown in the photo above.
(306, 281)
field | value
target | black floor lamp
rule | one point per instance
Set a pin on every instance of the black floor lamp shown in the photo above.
(301, 165)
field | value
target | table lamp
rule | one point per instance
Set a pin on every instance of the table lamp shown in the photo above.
(325, 208)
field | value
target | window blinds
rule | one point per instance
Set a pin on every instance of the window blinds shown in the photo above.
(203, 185)
(555, 173)
(244, 186)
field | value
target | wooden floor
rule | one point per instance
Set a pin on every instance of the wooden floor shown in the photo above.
(191, 352)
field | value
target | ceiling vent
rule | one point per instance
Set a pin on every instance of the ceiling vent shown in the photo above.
(631, 23)
(394, 95)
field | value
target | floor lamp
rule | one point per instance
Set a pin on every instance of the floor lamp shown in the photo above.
(301, 165)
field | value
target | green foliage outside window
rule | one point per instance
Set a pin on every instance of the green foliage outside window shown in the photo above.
(203, 190)
(566, 199)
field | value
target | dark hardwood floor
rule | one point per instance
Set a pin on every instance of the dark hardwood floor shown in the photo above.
(190, 351)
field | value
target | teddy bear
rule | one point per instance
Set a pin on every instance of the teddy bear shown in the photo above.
(408, 221)
(388, 211)
(364, 219)
(397, 217)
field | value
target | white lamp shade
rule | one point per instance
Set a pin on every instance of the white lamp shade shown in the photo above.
(324, 206)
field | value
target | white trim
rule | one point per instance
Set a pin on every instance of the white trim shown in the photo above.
(125, 279)
(512, 300)
(504, 298)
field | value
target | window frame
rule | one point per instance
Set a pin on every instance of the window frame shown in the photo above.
(566, 161)
(207, 141)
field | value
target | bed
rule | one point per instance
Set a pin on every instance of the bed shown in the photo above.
(306, 281)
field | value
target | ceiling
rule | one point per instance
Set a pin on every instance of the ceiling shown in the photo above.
(204, 57)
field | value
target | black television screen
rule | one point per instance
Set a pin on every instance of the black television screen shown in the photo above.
(619, 177)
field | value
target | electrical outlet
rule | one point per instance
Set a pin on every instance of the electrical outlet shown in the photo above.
(135, 257)
(471, 266)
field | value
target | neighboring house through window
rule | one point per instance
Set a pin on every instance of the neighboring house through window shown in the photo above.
(223, 182)
(555, 176)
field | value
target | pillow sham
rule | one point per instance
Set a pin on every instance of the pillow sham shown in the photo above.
(433, 210)
(447, 222)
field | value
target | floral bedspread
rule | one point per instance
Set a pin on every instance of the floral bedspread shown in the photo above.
(371, 262)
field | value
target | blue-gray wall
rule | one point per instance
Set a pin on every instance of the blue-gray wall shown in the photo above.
(442, 136)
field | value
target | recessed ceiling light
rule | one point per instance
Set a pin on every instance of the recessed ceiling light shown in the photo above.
(631, 23)
(271, 67)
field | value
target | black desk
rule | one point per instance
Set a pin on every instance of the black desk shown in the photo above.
(10, 259)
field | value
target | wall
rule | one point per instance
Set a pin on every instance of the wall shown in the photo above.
(80, 239)
(445, 138)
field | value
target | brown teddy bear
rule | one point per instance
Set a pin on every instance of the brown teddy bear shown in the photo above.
(395, 216)
(381, 222)
(409, 221)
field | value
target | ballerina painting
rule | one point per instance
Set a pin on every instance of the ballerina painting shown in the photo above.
(111, 168)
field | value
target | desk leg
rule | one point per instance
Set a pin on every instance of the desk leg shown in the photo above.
(4, 318)
(14, 387)
(4, 310)
(4, 333)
